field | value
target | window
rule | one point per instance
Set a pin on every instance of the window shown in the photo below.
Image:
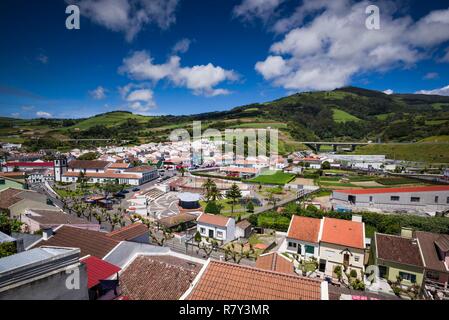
(292, 244)
(310, 249)
(219, 234)
(352, 199)
(356, 258)
(447, 200)
(394, 198)
(432, 275)
(202, 230)
(370, 198)
(436, 199)
(407, 276)
(415, 199)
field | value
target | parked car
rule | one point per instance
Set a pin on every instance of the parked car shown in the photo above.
(136, 189)
(124, 191)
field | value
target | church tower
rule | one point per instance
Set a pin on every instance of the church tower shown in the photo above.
(60, 167)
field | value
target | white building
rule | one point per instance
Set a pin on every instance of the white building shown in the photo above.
(216, 227)
(428, 199)
(332, 242)
(103, 172)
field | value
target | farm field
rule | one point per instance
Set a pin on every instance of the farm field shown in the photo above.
(342, 116)
(273, 177)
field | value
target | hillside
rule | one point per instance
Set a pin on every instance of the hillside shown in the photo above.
(346, 114)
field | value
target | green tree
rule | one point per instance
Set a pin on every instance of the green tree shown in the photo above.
(325, 165)
(250, 206)
(213, 208)
(233, 194)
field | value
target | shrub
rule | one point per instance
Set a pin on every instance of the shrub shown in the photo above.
(197, 237)
(212, 207)
(353, 274)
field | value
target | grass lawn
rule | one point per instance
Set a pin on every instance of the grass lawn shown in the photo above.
(273, 177)
(342, 116)
(429, 152)
(393, 181)
(226, 206)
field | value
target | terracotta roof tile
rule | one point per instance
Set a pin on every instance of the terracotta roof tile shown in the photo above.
(304, 229)
(343, 232)
(88, 164)
(98, 269)
(427, 242)
(398, 249)
(129, 232)
(275, 262)
(94, 243)
(225, 281)
(212, 219)
(8, 197)
(158, 278)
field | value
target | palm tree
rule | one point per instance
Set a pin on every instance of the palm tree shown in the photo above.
(215, 193)
(207, 186)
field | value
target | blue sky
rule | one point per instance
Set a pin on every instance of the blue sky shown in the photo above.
(191, 56)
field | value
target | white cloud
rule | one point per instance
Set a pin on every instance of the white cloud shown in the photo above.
(98, 93)
(138, 96)
(441, 91)
(129, 16)
(181, 46)
(42, 58)
(201, 79)
(327, 43)
(250, 9)
(15, 115)
(272, 67)
(388, 91)
(431, 75)
(43, 114)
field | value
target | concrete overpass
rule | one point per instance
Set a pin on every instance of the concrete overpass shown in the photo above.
(316, 145)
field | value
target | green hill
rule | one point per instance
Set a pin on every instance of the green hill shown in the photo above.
(346, 114)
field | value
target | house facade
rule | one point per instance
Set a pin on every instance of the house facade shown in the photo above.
(342, 243)
(303, 237)
(216, 227)
(332, 242)
(398, 257)
(104, 172)
(430, 199)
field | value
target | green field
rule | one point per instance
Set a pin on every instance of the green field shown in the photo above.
(342, 116)
(384, 116)
(109, 120)
(429, 152)
(262, 125)
(273, 177)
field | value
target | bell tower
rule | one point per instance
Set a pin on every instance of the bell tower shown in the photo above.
(60, 167)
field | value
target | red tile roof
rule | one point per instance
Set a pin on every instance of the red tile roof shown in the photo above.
(97, 270)
(395, 190)
(129, 232)
(398, 249)
(158, 278)
(275, 262)
(343, 232)
(304, 229)
(106, 175)
(212, 219)
(94, 243)
(30, 164)
(226, 281)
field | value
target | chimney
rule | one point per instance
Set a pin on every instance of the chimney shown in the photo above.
(407, 233)
(47, 233)
(356, 218)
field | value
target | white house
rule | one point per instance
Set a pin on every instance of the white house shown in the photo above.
(216, 227)
(332, 242)
(303, 237)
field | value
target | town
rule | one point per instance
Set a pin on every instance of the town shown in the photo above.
(332, 226)
(224, 159)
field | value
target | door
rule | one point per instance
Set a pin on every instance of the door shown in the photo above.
(322, 266)
(346, 259)
(211, 233)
